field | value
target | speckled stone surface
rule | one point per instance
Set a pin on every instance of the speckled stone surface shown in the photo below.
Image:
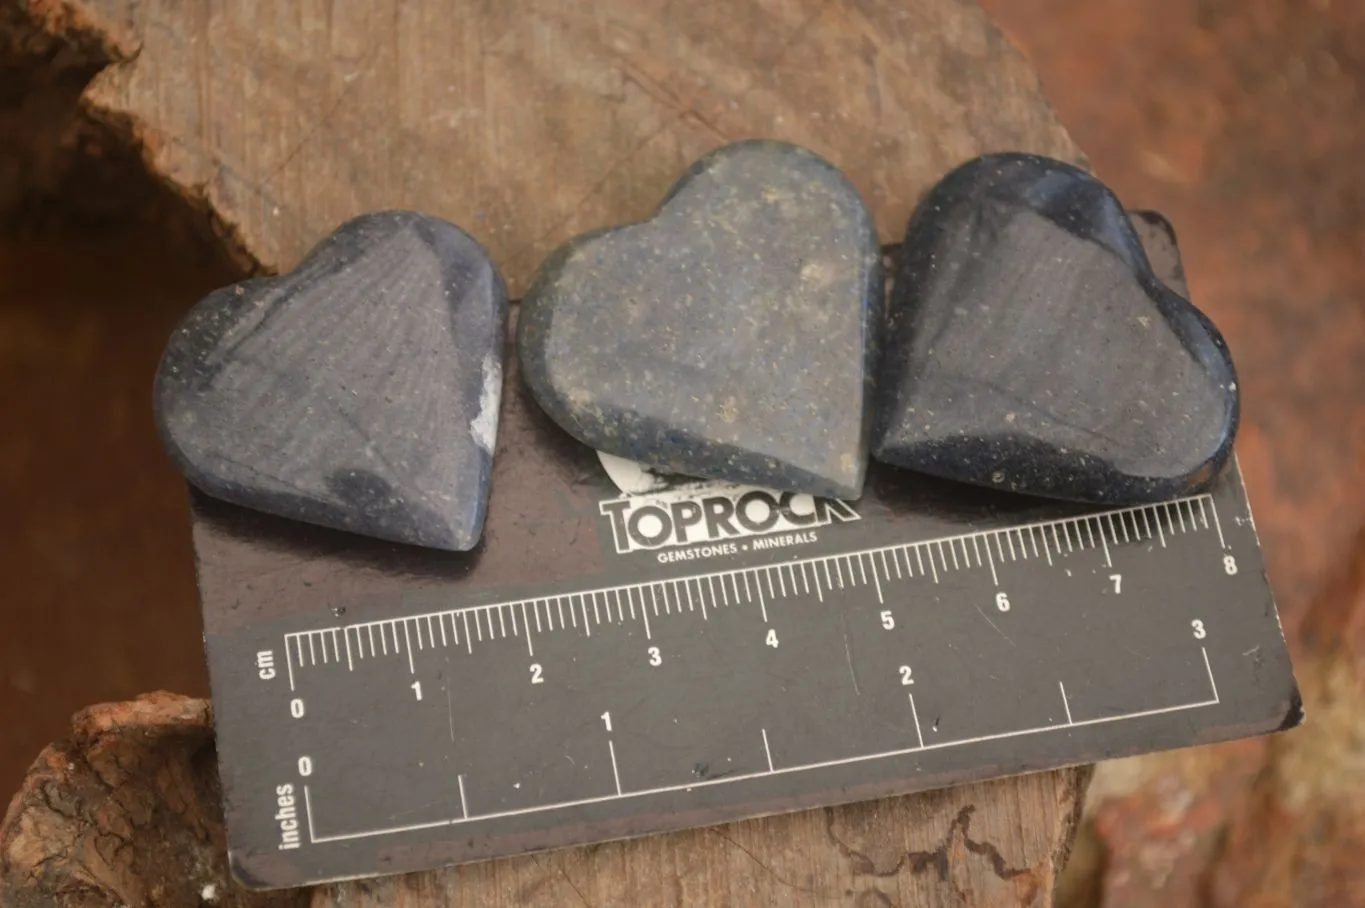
(359, 391)
(1029, 346)
(731, 336)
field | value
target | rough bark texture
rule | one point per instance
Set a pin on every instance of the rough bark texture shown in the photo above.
(124, 812)
(264, 125)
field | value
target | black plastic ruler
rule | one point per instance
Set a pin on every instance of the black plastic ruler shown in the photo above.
(612, 664)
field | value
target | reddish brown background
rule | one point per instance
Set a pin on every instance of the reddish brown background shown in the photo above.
(1241, 119)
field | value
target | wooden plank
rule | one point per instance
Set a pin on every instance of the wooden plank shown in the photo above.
(528, 121)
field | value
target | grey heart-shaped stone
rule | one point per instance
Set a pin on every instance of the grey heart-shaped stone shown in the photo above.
(731, 336)
(1030, 347)
(359, 391)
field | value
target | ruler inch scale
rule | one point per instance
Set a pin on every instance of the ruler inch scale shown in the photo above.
(610, 664)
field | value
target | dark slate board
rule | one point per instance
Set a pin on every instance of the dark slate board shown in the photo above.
(1021, 649)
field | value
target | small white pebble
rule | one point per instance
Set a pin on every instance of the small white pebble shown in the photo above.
(209, 893)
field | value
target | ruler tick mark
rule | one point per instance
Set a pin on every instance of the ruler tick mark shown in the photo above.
(914, 713)
(878, 583)
(762, 606)
(464, 805)
(781, 583)
(1023, 549)
(1219, 524)
(614, 771)
(1013, 556)
(345, 635)
(766, 749)
(468, 641)
(644, 612)
(1209, 669)
(535, 607)
(991, 560)
(999, 550)
(1047, 552)
(587, 626)
(701, 597)
(748, 593)
(620, 612)
(768, 576)
(1107, 562)
(412, 669)
(312, 656)
(529, 648)
(944, 561)
(1065, 703)
(976, 547)
(692, 606)
(308, 809)
(953, 551)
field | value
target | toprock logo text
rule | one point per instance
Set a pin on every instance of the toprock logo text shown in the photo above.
(716, 513)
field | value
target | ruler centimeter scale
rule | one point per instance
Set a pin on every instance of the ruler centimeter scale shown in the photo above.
(745, 586)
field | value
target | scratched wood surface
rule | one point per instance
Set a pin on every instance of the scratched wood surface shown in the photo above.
(527, 122)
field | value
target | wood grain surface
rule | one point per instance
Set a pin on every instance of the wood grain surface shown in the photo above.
(526, 123)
